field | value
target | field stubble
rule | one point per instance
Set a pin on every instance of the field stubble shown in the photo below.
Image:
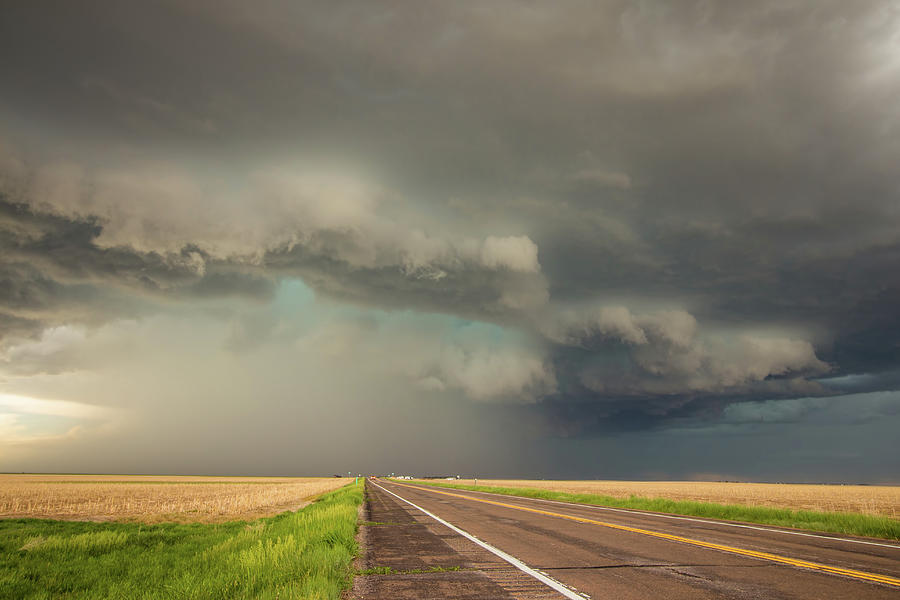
(863, 499)
(153, 499)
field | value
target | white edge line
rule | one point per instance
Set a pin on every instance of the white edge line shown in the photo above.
(559, 587)
(665, 516)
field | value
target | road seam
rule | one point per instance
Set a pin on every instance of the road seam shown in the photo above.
(542, 577)
(681, 518)
(853, 573)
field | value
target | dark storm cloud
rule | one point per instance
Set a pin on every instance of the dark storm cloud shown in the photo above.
(686, 207)
(53, 271)
(468, 290)
(67, 249)
(337, 240)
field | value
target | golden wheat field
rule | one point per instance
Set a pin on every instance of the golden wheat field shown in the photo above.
(156, 498)
(866, 499)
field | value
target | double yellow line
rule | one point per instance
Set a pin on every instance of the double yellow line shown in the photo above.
(794, 562)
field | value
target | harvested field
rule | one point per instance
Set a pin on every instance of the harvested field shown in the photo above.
(864, 499)
(153, 499)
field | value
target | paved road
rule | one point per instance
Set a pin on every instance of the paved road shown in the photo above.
(605, 553)
(408, 555)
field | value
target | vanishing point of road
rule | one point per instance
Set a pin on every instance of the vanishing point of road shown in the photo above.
(477, 545)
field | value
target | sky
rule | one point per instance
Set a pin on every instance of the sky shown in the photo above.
(620, 240)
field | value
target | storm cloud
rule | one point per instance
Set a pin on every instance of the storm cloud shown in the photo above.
(571, 227)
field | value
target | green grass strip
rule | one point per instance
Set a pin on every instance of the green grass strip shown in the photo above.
(830, 522)
(304, 554)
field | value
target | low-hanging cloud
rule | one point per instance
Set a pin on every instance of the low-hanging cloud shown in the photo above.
(669, 354)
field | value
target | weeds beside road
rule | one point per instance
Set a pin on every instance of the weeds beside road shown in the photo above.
(830, 522)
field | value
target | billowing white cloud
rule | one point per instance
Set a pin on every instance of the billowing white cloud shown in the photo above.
(516, 253)
(494, 375)
(670, 354)
(482, 362)
(163, 208)
(323, 224)
(580, 327)
(52, 342)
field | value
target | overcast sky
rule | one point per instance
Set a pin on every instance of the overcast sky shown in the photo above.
(546, 239)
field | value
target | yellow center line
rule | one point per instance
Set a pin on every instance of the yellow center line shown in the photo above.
(677, 538)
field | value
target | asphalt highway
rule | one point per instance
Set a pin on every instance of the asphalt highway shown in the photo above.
(613, 553)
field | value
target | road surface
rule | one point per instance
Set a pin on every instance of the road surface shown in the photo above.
(561, 550)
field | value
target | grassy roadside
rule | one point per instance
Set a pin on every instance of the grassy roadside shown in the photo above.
(830, 522)
(304, 554)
